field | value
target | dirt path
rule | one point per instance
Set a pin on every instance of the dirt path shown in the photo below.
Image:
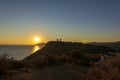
(60, 72)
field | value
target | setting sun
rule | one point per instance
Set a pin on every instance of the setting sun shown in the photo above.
(37, 39)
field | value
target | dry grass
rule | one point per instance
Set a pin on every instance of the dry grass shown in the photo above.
(110, 70)
(9, 66)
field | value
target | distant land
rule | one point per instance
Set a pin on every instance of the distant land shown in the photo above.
(113, 45)
(41, 44)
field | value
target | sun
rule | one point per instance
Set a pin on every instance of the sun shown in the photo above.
(37, 39)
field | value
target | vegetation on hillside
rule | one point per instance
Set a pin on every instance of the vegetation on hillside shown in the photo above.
(8, 65)
(68, 52)
(110, 70)
(55, 53)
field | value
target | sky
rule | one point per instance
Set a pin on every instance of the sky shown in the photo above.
(70, 20)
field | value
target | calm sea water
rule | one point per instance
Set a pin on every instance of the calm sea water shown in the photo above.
(18, 52)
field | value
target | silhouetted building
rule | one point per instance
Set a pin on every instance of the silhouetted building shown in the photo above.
(57, 39)
(60, 39)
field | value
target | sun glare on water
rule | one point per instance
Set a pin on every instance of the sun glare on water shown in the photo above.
(36, 48)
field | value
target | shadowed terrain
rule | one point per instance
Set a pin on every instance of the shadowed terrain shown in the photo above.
(55, 61)
(69, 49)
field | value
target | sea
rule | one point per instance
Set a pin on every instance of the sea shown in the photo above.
(18, 52)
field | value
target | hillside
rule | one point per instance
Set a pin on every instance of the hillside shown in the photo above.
(62, 61)
(68, 52)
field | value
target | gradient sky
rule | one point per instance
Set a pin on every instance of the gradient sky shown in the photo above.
(71, 20)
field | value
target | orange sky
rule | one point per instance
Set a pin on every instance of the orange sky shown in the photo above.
(75, 20)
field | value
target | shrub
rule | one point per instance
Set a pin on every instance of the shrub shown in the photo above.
(4, 64)
(7, 64)
(19, 64)
(110, 70)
